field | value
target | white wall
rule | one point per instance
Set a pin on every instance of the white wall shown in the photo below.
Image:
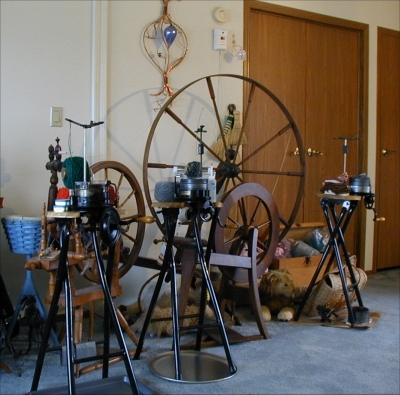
(46, 60)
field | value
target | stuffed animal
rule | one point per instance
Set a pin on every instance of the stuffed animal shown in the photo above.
(277, 292)
(162, 310)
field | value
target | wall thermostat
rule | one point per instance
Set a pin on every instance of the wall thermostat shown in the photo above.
(220, 39)
(219, 15)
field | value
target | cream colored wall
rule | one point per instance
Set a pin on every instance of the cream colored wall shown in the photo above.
(47, 50)
(133, 79)
(45, 61)
(49, 58)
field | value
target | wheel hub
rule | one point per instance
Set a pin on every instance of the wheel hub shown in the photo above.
(230, 170)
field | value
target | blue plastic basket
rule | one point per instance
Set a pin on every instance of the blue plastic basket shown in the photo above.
(23, 233)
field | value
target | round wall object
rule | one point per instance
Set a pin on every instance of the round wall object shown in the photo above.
(220, 15)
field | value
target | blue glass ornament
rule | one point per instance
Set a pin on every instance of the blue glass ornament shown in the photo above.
(170, 34)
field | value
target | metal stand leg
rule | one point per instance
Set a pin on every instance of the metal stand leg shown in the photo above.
(213, 297)
(337, 225)
(170, 217)
(62, 273)
(110, 312)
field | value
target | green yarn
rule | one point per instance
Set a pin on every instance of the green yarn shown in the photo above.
(193, 169)
(73, 171)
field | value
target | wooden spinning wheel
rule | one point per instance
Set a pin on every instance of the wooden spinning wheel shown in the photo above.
(267, 151)
(130, 208)
(247, 206)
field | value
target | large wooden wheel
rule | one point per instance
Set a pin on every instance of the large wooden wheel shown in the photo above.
(268, 150)
(130, 207)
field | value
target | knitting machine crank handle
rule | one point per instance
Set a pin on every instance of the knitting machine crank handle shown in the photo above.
(369, 200)
(376, 218)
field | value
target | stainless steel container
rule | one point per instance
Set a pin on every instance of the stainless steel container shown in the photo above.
(360, 184)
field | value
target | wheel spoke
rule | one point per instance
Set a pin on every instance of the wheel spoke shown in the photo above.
(238, 224)
(127, 199)
(194, 135)
(268, 142)
(212, 95)
(246, 115)
(243, 211)
(278, 173)
(121, 177)
(255, 211)
(128, 236)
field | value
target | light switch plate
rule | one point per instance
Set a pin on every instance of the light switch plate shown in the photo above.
(56, 114)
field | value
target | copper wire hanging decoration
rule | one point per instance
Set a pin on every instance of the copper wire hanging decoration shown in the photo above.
(166, 46)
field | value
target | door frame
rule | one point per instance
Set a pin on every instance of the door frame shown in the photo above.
(381, 31)
(362, 30)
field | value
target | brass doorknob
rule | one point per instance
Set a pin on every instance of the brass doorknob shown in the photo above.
(386, 152)
(312, 152)
(296, 151)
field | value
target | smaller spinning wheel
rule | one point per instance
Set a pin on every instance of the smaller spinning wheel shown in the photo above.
(247, 206)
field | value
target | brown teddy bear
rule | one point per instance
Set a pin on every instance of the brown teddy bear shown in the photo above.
(277, 293)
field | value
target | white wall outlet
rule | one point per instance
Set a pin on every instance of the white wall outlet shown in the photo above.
(220, 39)
(56, 114)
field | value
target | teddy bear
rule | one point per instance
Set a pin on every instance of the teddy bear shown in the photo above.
(277, 294)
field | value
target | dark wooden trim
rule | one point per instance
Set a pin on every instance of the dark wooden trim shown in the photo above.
(363, 32)
(388, 32)
(381, 31)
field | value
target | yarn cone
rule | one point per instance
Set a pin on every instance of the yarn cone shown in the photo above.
(234, 137)
(218, 147)
(73, 171)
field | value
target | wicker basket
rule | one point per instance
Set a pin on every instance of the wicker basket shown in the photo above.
(23, 233)
(329, 291)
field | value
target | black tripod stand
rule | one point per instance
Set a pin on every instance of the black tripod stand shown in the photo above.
(107, 219)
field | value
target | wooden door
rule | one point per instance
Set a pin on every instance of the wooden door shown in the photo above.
(314, 66)
(332, 80)
(386, 235)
